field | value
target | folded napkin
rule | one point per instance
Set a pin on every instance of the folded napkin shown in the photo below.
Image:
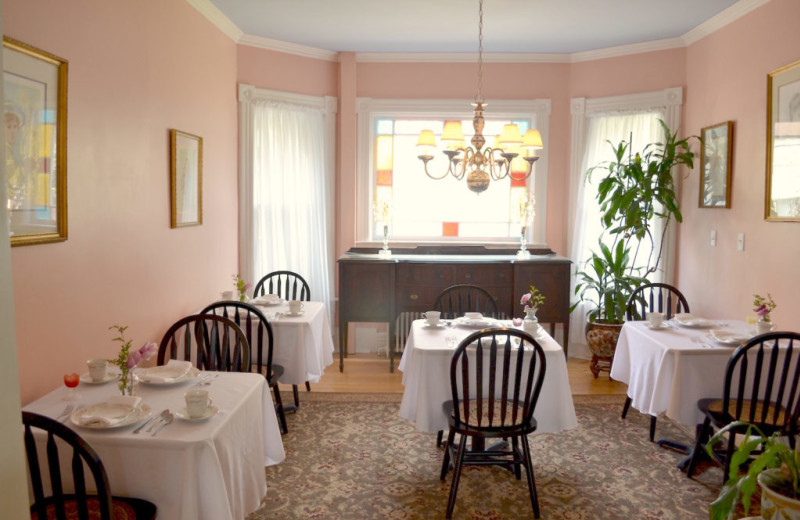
(112, 412)
(267, 299)
(168, 373)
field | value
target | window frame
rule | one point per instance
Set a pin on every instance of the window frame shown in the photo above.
(369, 110)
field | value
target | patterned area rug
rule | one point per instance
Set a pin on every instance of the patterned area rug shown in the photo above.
(349, 456)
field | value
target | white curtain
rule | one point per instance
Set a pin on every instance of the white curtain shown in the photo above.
(292, 195)
(640, 128)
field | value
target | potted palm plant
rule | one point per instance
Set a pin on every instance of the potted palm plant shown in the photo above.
(776, 469)
(637, 193)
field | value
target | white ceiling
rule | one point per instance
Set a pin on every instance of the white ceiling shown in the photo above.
(449, 26)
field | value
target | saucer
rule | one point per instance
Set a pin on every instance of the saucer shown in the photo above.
(442, 324)
(293, 314)
(211, 411)
(664, 325)
(110, 376)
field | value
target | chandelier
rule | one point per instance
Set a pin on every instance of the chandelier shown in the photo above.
(479, 164)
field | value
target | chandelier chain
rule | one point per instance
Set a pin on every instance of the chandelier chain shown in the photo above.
(479, 95)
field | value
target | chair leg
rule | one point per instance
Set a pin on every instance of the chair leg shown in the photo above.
(296, 396)
(626, 406)
(526, 460)
(308, 386)
(439, 436)
(652, 427)
(728, 456)
(517, 470)
(451, 502)
(698, 445)
(279, 409)
(446, 461)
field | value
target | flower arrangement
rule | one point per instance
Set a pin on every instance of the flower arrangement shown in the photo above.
(241, 286)
(532, 299)
(128, 359)
(763, 306)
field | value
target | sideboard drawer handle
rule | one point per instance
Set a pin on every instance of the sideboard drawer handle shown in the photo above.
(414, 297)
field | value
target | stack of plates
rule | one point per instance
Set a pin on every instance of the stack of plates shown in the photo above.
(727, 337)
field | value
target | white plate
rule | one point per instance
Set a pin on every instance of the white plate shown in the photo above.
(664, 325)
(110, 376)
(139, 414)
(191, 374)
(211, 411)
(266, 303)
(727, 337)
(687, 320)
(475, 324)
(293, 314)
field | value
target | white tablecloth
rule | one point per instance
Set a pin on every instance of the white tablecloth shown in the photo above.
(303, 344)
(667, 371)
(426, 377)
(211, 470)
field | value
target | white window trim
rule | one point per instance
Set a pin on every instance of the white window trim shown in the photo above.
(247, 95)
(369, 110)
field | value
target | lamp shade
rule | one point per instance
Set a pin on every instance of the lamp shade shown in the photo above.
(510, 136)
(426, 138)
(452, 131)
(532, 140)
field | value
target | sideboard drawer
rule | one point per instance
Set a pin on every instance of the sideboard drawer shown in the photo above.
(484, 275)
(434, 273)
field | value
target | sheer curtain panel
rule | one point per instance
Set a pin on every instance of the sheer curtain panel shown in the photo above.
(286, 187)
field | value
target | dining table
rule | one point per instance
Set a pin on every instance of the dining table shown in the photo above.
(303, 343)
(426, 377)
(670, 367)
(210, 468)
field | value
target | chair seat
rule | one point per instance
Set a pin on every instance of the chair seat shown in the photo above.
(713, 408)
(122, 508)
(485, 425)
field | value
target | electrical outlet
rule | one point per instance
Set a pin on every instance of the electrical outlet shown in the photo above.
(740, 242)
(713, 237)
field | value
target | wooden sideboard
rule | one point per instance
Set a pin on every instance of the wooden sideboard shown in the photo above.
(377, 289)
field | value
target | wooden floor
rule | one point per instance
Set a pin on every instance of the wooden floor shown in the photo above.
(364, 373)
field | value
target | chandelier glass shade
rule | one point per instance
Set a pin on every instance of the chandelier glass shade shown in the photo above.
(479, 163)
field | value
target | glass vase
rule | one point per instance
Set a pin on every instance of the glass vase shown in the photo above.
(763, 326)
(127, 382)
(531, 323)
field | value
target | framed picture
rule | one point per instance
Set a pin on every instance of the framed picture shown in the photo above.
(715, 165)
(783, 144)
(186, 175)
(35, 103)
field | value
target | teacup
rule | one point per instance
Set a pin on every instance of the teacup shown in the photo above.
(295, 306)
(97, 369)
(197, 402)
(227, 295)
(433, 317)
(656, 319)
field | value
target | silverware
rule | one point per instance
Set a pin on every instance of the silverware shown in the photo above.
(167, 420)
(161, 417)
(150, 420)
(66, 413)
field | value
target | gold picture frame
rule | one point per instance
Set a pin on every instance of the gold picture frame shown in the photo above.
(35, 117)
(716, 155)
(186, 179)
(782, 195)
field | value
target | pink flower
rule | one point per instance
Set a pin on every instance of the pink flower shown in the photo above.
(525, 298)
(247, 286)
(133, 359)
(148, 350)
(526, 308)
(762, 310)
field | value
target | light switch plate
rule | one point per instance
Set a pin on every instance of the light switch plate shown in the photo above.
(713, 237)
(740, 242)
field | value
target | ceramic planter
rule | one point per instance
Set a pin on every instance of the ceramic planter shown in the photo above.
(602, 341)
(775, 506)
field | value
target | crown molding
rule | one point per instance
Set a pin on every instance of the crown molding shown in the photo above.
(289, 48)
(729, 15)
(625, 50)
(216, 17)
(459, 57)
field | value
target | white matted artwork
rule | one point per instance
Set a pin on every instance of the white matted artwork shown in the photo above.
(783, 144)
(186, 179)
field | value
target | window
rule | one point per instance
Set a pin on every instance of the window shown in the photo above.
(422, 209)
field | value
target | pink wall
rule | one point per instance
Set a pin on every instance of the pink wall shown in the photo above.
(289, 73)
(132, 76)
(727, 80)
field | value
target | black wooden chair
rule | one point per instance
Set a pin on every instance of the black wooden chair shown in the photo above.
(259, 336)
(495, 377)
(762, 388)
(210, 341)
(289, 286)
(455, 300)
(79, 504)
(653, 297)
